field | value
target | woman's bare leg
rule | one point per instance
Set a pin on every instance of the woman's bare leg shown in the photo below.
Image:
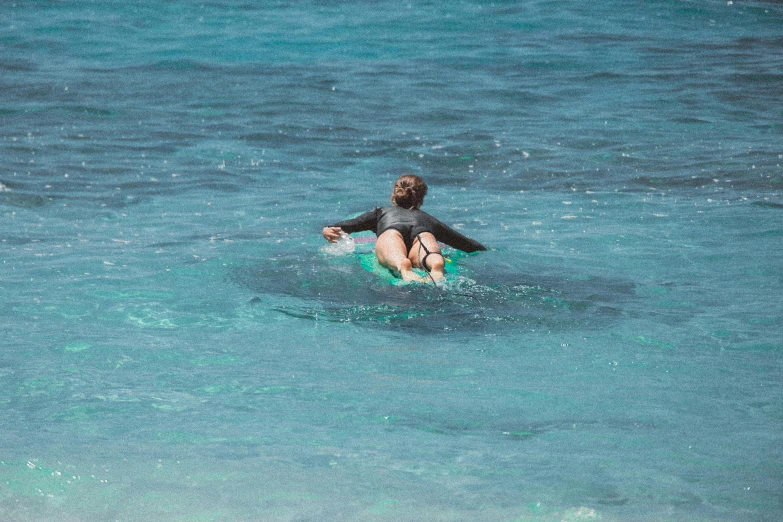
(391, 252)
(435, 262)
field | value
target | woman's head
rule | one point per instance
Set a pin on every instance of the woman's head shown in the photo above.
(409, 191)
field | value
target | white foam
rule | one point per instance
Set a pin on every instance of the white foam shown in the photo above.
(343, 246)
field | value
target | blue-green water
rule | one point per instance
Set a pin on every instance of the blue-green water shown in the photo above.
(178, 346)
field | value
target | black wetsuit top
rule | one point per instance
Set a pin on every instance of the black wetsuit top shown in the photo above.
(410, 223)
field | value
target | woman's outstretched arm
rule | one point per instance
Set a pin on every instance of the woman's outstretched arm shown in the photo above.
(367, 221)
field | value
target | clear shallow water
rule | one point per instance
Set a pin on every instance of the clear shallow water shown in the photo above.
(178, 346)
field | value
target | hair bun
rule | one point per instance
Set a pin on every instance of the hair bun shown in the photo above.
(409, 191)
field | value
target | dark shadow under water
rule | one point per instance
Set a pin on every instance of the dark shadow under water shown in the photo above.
(339, 290)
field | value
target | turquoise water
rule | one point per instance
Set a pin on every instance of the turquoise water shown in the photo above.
(177, 344)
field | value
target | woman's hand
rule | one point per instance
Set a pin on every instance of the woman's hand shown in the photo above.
(332, 234)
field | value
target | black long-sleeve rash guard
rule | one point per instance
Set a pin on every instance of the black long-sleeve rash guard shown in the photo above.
(409, 223)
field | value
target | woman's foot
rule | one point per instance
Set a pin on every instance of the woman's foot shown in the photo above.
(405, 269)
(437, 275)
(410, 275)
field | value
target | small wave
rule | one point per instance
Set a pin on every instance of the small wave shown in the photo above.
(767, 204)
(17, 65)
(22, 200)
(178, 65)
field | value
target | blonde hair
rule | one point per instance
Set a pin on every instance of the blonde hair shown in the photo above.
(409, 191)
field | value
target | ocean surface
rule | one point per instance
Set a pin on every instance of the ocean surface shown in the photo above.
(177, 343)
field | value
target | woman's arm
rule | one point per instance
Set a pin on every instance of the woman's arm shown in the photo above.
(367, 221)
(456, 240)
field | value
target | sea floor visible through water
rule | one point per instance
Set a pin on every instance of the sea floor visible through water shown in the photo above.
(178, 342)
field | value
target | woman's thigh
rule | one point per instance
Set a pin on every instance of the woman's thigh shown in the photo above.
(390, 248)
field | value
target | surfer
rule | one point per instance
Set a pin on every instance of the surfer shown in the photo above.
(407, 236)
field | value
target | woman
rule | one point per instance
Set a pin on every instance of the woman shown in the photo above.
(407, 237)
